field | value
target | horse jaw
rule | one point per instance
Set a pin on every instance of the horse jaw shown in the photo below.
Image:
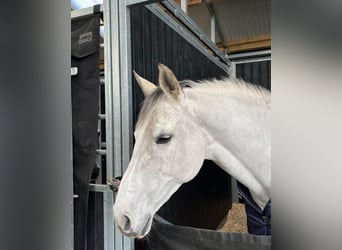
(138, 200)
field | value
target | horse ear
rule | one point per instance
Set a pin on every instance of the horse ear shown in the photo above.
(168, 82)
(146, 86)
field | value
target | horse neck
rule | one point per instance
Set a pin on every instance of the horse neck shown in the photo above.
(237, 129)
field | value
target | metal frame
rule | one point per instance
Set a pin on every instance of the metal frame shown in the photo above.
(180, 30)
(252, 54)
(215, 25)
(182, 17)
(248, 57)
(84, 12)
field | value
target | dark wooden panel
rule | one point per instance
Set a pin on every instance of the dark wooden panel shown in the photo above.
(255, 77)
(264, 74)
(258, 73)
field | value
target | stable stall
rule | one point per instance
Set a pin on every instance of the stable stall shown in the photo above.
(138, 35)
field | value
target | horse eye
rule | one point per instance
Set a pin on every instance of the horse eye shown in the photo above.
(163, 139)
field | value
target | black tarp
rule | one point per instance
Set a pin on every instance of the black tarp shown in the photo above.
(166, 236)
(85, 39)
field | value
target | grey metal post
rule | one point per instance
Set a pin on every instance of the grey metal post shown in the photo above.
(108, 220)
(113, 115)
(112, 88)
(184, 5)
(216, 23)
(125, 83)
(212, 28)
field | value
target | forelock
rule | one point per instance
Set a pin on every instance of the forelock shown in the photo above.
(149, 104)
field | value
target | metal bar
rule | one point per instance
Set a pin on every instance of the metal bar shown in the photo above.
(186, 35)
(99, 188)
(130, 3)
(84, 12)
(101, 151)
(113, 150)
(126, 105)
(173, 8)
(117, 80)
(251, 60)
(261, 53)
(126, 85)
(112, 87)
(212, 29)
(108, 224)
(218, 27)
(102, 116)
(232, 69)
(184, 5)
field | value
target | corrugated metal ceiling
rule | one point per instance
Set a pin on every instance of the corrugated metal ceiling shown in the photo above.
(239, 19)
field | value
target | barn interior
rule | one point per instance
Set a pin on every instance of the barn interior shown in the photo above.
(213, 38)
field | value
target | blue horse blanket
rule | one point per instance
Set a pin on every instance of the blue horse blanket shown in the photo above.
(258, 222)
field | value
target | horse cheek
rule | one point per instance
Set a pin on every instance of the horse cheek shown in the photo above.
(192, 157)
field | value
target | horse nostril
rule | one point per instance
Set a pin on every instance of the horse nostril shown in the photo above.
(127, 223)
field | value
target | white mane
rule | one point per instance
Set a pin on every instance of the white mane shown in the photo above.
(233, 86)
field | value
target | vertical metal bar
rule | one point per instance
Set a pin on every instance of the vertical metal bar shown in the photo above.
(232, 69)
(126, 94)
(113, 238)
(107, 220)
(217, 23)
(118, 101)
(184, 5)
(126, 83)
(112, 83)
(185, 20)
(212, 28)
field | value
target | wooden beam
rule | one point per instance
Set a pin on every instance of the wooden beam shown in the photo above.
(261, 42)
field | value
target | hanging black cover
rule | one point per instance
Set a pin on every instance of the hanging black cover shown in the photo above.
(85, 104)
(166, 236)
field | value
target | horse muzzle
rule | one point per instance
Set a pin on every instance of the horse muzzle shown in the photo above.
(133, 227)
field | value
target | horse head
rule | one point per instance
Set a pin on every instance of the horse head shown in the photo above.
(169, 150)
